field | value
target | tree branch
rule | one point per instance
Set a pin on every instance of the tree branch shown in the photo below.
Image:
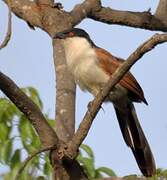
(83, 10)
(143, 20)
(46, 134)
(39, 15)
(65, 95)
(94, 10)
(161, 12)
(46, 2)
(9, 30)
(26, 10)
(95, 105)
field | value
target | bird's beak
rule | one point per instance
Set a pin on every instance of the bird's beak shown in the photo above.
(60, 35)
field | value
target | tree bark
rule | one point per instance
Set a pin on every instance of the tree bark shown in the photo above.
(161, 12)
(65, 95)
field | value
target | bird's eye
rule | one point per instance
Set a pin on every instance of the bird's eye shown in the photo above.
(71, 34)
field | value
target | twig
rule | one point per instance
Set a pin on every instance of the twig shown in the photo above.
(9, 30)
(26, 161)
(115, 78)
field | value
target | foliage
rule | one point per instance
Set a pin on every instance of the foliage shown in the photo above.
(87, 160)
(18, 140)
(161, 174)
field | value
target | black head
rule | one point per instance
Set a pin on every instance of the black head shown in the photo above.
(74, 32)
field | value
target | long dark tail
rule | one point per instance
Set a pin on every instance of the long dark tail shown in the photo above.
(135, 138)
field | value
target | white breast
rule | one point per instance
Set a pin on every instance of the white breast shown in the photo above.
(82, 63)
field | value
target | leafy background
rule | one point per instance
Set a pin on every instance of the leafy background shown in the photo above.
(18, 139)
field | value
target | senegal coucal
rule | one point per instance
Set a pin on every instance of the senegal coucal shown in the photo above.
(92, 67)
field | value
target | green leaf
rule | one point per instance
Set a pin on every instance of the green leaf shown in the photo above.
(4, 131)
(7, 110)
(165, 173)
(47, 169)
(106, 171)
(159, 170)
(88, 165)
(28, 135)
(40, 178)
(88, 150)
(22, 131)
(35, 96)
(3, 106)
(79, 157)
(98, 174)
(6, 151)
(15, 160)
(14, 172)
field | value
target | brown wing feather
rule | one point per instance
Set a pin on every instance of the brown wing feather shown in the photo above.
(110, 63)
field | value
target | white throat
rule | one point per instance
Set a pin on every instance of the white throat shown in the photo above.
(82, 63)
(76, 49)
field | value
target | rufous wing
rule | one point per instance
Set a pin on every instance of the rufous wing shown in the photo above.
(110, 63)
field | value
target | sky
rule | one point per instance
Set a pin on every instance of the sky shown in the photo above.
(28, 61)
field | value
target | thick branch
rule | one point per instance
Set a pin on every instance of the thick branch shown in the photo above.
(82, 11)
(46, 2)
(45, 16)
(26, 10)
(143, 20)
(95, 105)
(46, 134)
(65, 95)
(93, 10)
(161, 12)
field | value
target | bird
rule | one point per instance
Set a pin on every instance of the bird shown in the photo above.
(92, 67)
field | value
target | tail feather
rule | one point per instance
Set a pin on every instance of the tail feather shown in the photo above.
(135, 138)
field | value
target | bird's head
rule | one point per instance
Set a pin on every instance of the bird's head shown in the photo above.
(74, 33)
